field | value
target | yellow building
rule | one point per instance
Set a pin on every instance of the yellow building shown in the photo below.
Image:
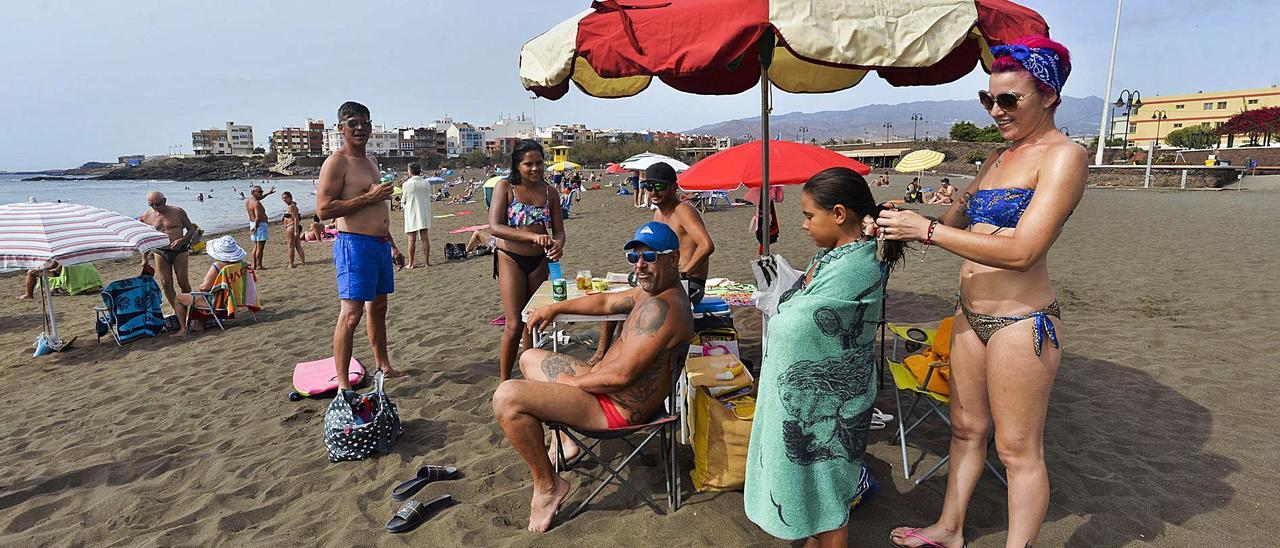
(1162, 114)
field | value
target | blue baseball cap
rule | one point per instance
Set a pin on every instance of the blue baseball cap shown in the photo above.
(658, 236)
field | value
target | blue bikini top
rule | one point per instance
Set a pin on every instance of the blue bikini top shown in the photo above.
(1001, 207)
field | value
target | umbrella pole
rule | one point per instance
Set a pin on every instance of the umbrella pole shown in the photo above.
(51, 322)
(765, 193)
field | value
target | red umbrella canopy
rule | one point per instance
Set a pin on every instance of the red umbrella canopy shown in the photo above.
(614, 168)
(790, 163)
(714, 47)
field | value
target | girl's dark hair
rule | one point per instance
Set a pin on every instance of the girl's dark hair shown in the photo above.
(523, 147)
(845, 187)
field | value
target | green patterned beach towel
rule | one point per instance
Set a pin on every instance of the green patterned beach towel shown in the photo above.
(817, 385)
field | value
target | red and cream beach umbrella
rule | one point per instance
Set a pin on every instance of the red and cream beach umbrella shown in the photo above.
(791, 163)
(33, 234)
(719, 47)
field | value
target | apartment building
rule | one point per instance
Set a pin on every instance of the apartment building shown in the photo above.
(299, 141)
(1160, 115)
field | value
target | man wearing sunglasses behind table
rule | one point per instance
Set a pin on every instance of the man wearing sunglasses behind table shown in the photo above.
(626, 387)
(696, 246)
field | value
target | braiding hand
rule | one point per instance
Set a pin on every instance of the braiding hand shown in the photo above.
(898, 224)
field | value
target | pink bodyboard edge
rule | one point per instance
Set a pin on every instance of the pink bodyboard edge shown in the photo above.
(318, 377)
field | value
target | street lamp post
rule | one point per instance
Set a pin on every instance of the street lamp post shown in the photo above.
(887, 126)
(1131, 101)
(915, 124)
(1159, 116)
(803, 130)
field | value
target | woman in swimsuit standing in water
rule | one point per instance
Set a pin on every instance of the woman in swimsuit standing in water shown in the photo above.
(1005, 349)
(530, 232)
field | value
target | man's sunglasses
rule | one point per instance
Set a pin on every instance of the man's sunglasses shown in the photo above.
(1007, 100)
(634, 257)
(655, 187)
(357, 124)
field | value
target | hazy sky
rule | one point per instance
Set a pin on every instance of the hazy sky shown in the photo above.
(91, 80)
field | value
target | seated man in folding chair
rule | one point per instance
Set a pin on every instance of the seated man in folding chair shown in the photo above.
(625, 388)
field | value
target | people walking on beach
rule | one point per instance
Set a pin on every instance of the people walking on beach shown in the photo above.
(171, 261)
(364, 251)
(626, 387)
(817, 382)
(257, 223)
(417, 213)
(526, 219)
(292, 223)
(1005, 350)
(696, 246)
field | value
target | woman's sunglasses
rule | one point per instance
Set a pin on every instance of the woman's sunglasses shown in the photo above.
(634, 257)
(1007, 100)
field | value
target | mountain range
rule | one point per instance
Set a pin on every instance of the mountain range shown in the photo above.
(1080, 115)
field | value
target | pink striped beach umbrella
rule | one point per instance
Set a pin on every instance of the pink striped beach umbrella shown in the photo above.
(32, 234)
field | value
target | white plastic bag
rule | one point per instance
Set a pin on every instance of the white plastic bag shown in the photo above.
(774, 276)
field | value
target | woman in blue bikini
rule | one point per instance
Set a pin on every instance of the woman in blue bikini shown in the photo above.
(530, 232)
(1005, 350)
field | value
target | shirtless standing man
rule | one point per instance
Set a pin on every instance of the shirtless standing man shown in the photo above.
(257, 223)
(626, 387)
(364, 250)
(171, 261)
(696, 246)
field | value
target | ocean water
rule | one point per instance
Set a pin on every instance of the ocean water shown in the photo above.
(222, 209)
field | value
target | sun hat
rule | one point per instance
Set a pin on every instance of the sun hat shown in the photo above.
(225, 249)
(657, 236)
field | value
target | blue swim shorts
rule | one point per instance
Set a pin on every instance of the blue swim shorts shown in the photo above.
(259, 235)
(364, 266)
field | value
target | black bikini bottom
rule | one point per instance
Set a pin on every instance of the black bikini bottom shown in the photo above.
(527, 263)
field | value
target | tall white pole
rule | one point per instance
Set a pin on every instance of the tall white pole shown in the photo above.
(1106, 99)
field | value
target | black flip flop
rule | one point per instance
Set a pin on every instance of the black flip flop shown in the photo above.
(413, 513)
(426, 474)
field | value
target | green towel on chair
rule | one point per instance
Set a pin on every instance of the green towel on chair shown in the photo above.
(77, 279)
(817, 385)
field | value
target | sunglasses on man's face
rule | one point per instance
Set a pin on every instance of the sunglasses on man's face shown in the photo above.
(1007, 100)
(357, 124)
(655, 187)
(634, 257)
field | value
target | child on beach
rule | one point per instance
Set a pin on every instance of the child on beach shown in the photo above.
(817, 383)
(293, 229)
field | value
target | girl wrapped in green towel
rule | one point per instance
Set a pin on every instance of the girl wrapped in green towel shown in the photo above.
(817, 382)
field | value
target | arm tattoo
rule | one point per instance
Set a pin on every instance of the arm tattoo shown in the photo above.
(634, 396)
(650, 317)
(623, 306)
(556, 364)
(964, 198)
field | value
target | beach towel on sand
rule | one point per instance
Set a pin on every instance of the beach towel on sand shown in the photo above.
(813, 410)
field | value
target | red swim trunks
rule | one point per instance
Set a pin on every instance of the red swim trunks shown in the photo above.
(611, 414)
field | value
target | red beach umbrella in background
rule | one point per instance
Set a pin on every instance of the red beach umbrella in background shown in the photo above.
(720, 47)
(791, 163)
(614, 168)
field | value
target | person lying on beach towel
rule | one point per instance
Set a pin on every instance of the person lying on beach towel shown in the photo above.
(624, 388)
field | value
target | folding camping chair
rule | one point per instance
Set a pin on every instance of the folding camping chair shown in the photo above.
(235, 288)
(131, 309)
(927, 374)
(663, 426)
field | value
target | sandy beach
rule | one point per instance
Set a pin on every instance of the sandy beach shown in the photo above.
(1157, 429)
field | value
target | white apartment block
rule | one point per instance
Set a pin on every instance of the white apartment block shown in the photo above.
(241, 138)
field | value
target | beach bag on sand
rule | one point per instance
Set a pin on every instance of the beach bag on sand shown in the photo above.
(355, 429)
(721, 433)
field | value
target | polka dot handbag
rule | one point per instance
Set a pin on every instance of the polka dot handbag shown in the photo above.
(354, 434)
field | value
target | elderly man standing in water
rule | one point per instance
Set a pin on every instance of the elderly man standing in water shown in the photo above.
(364, 251)
(171, 261)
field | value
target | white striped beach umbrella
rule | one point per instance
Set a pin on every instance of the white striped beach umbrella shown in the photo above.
(32, 234)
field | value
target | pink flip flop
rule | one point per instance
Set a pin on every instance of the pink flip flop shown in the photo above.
(499, 321)
(928, 542)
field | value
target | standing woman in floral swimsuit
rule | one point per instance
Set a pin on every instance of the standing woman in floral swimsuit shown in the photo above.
(1005, 349)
